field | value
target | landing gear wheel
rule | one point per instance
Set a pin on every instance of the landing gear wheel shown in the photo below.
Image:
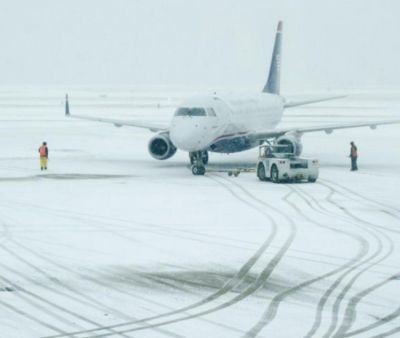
(261, 173)
(198, 170)
(275, 174)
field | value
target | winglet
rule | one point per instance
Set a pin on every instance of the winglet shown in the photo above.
(67, 113)
(274, 78)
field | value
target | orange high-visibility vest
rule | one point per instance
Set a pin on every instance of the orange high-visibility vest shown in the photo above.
(42, 151)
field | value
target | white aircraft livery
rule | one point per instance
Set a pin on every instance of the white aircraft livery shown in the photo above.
(232, 123)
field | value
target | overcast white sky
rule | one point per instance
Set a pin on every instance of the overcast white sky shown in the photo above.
(327, 44)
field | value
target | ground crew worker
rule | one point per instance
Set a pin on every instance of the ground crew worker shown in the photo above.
(353, 156)
(44, 156)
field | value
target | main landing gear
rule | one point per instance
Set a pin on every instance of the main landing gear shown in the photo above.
(198, 160)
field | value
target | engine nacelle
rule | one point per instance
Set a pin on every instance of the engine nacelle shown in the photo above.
(161, 147)
(292, 142)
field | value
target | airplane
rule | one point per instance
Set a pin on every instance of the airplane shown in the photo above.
(230, 123)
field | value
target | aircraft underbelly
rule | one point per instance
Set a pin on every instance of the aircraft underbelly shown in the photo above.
(233, 145)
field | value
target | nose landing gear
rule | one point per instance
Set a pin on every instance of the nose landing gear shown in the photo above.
(198, 160)
(203, 154)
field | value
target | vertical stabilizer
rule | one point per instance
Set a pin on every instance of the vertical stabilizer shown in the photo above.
(274, 78)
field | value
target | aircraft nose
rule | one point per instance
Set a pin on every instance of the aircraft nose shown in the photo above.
(188, 136)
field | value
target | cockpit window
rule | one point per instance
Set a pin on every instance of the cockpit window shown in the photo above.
(190, 112)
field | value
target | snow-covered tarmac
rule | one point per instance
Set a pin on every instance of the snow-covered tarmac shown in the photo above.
(110, 242)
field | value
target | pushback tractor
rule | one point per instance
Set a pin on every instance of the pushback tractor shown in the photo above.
(277, 164)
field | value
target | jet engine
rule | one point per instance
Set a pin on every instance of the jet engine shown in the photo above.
(161, 147)
(290, 143)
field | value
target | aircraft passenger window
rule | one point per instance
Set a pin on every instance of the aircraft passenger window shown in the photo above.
(211, 112)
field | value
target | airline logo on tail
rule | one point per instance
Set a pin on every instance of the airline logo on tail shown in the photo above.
(273, 83)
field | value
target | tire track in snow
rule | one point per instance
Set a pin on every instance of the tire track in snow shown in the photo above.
(87, 277)
(382, 321)
(376, 234)
(387, 333)
(32, 318)
(367, 199)
(57, 292)
(37, 301)
(252, 261)
(354, 196)
(350, 313)
(5, 234)
(77, 296)
(156, 228)
(336, 283)
(17, 310)
(354, 302)
(270, 314)
(123, 315)
(232, 283)
(259, 282)
(27, 295)
(272, 309)
(164, 230)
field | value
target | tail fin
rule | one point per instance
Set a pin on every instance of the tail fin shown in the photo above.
(273, 84)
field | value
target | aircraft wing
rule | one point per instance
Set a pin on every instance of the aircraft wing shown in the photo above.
(294, 103)
(154, 127)
(327, 128)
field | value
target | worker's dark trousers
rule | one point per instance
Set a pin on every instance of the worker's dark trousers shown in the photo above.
(354, 163)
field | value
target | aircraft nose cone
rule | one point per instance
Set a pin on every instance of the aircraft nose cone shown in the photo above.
(188, 136)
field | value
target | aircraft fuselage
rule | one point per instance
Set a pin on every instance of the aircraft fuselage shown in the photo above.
(224, 123)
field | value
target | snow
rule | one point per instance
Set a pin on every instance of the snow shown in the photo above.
(110, 242)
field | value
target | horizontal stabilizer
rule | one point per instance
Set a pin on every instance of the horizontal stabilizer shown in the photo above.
(290, 104)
